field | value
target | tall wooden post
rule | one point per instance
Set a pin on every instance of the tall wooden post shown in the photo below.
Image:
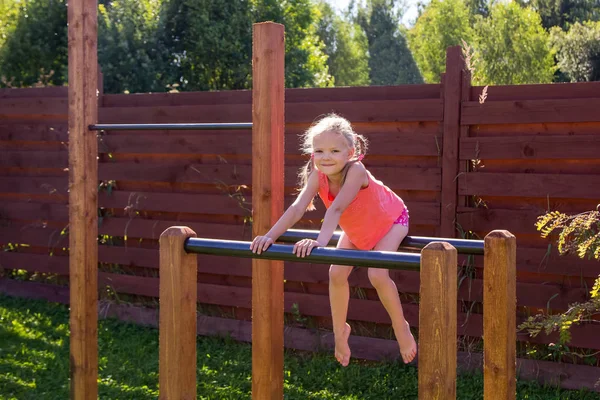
(177, 320)
(267, 206)
(437, 322)
(83, 197)
(499, 316)
(452, 86)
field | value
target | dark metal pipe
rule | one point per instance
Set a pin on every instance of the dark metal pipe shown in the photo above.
(319, 255)
(463, 246)
(180, 127)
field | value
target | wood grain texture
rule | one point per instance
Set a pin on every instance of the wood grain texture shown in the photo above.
(499, 316)
(177, 330)
(451, 133)
(83, 196)
(438, 322)
(268, 53)
(531, 147)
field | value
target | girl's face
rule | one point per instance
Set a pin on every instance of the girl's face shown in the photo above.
(331, 153)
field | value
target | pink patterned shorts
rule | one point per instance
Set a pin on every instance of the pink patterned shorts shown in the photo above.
(403, 218)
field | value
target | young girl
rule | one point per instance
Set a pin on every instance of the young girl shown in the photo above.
(371, 216)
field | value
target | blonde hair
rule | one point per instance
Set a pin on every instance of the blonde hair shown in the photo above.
(336, 124)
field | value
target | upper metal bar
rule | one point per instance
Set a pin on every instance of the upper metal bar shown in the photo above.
(319, 255)
(180, 127)
(463, 246)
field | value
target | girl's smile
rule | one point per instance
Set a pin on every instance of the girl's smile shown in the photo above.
(331, 153)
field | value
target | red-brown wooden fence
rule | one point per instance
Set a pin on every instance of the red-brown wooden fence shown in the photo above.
(463, 168)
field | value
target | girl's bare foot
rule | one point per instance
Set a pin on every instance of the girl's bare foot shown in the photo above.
(342, 350)
(406, 341)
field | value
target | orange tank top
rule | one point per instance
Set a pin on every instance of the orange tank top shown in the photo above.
(370, 215)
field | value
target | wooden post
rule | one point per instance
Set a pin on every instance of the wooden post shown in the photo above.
(499, 315)
(437, 322)
(267, 206)
(177, 319)
(83, 198)
(452, 87)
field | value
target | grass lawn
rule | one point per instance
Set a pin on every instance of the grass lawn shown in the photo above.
(34, 364)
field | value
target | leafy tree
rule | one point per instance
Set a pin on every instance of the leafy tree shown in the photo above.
(305, 58)
(478, 7)
(578, 234)
(512, 47)
(390, 60)
(578, 51)
(443, 23)
(9, 11)
(345, 46)
(129, 60)
(564, 13)
(35, 52)
(207, 43)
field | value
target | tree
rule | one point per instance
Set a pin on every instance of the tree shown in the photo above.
(207, 44)
(443, 23)
(305, 58)
(35, 51)
(390, 60)
(512, 47)
(9, 11)
(578, 51)
(564, 13)
(346, 48)
(129, 60)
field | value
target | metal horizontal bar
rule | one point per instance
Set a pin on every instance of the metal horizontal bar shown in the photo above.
(463, 246)
(194, 126)
(319, 255)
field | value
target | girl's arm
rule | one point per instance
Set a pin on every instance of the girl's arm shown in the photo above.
(354, 180)
(292, 215)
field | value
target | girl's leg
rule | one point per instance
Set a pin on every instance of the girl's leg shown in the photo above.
(339, 295)
(388, 293)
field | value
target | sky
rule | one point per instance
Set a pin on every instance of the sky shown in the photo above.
(409, 16)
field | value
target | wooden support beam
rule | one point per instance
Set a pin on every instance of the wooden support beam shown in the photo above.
(499, 316)
(438, 322)
(178, 295)
(267, 201)
(452, 88)
(83, 198)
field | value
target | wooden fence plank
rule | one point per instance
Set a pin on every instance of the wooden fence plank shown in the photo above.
(567, 186)
(43, 108)
(35, 159)
(530, 111)
(421, 213)
(385, 143)
(368, 111)
(537, 91)
(317, 306)
(404, 92)
(530, 147)
(49, 91)
(45, 185)
(235, 175)
(34, 132)
(34, 211)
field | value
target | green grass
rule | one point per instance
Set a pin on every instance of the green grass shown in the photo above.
(34, 364)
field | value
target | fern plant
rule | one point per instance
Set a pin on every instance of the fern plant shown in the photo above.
(579, 234)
